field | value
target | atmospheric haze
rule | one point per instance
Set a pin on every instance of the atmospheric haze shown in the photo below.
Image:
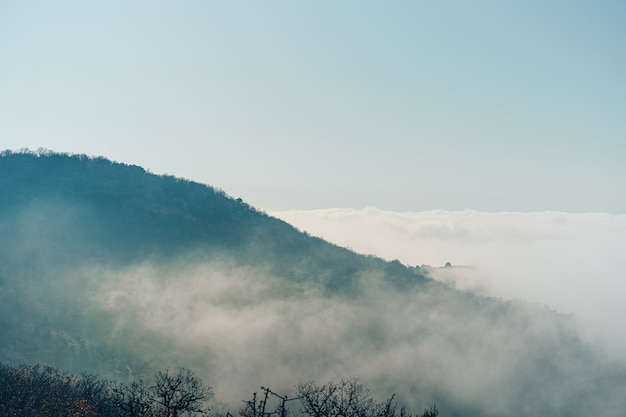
(571, 262)
(242, 328)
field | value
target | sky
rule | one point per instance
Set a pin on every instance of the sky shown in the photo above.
(403, 105)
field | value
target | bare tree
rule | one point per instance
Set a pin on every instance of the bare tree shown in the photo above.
(264, 408)
(169, 396)
(343, 399)
(349, 399)
(134, 400)
(179, 394)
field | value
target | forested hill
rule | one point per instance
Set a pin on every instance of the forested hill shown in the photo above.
(109, 269)
(81, 208)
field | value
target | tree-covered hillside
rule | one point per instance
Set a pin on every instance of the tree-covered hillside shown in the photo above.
(87, 208)
(110, 269)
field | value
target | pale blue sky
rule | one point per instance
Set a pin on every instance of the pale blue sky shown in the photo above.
(406, 105)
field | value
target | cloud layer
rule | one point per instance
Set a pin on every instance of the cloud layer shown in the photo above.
(569, 262)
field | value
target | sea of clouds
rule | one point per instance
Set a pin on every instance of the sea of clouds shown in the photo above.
(570, 262)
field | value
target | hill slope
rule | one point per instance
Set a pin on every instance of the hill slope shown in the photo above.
(102, 210)
(109, 268)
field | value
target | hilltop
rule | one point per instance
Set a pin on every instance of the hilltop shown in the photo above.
(101, 210)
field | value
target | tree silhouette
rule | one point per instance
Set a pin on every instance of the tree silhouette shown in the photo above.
(349, 398)
(183, 393)
(44, 391)
(169, 396)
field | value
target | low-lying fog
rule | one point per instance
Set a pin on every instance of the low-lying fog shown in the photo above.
(242, 328)
(239, 326)
(570, 262)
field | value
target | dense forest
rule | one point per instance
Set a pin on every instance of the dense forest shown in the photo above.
(111, 270)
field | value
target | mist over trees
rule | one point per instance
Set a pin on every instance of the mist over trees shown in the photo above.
(110, 269)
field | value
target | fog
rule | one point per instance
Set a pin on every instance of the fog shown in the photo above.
(242, 328)
(239, 326)
(569, 262)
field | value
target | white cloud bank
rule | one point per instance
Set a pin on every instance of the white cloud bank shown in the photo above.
(570, 262)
